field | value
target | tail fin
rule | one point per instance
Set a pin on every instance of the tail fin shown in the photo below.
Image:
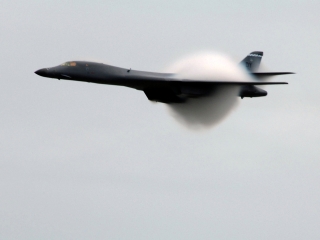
(252, 61)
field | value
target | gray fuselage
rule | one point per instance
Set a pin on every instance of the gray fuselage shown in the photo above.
(106, 74)
(159, 87)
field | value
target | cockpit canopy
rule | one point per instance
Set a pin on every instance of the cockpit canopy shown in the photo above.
(69, 64)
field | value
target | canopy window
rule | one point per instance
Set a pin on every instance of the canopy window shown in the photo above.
(69, 64)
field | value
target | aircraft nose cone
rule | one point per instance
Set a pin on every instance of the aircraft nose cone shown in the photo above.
(42, 72)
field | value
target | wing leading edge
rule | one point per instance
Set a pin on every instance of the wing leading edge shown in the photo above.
(256, 74)
(236, 83)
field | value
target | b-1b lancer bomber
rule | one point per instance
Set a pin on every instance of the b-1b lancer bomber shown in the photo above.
(160, 87)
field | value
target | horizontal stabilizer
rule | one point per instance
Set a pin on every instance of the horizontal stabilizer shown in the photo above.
(270, 74)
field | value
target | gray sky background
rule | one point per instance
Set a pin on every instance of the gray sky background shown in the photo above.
(86, 161)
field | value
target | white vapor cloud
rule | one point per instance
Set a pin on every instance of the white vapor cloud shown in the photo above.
(204, 112)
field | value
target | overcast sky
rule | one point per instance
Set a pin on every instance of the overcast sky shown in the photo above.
(87, 161)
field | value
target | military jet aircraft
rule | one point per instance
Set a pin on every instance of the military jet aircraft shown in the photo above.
(160, 87)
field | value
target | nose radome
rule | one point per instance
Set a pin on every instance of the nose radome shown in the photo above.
(41, 72)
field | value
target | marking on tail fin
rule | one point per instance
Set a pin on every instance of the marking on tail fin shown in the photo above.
(255, 55)
(252, 61)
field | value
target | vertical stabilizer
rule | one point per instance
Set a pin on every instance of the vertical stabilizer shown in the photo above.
(252, 61)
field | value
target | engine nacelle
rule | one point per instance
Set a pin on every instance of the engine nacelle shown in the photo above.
(252, 91)
(164, 95)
